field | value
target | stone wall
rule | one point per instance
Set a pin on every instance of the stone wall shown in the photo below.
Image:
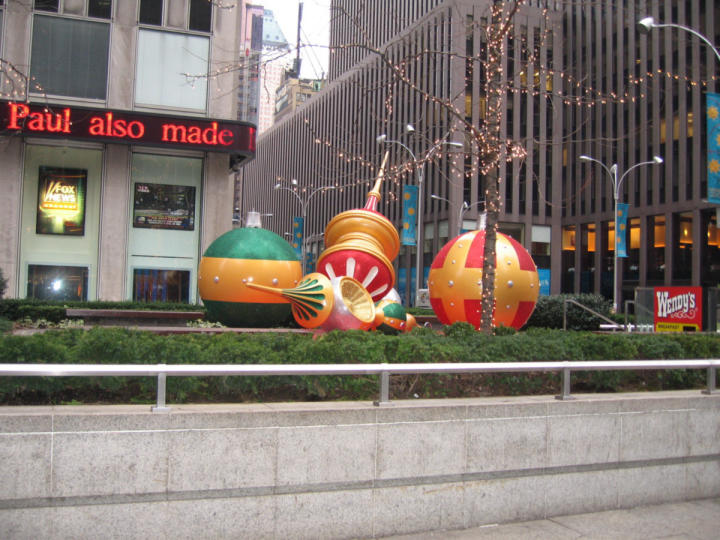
(347, 470)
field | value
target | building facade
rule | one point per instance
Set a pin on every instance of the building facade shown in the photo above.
(118, 136)
(578, 80)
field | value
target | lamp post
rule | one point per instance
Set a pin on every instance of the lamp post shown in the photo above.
(304, 203)
(382, 139)
(463, 208)
(648, 23)
(617, 182)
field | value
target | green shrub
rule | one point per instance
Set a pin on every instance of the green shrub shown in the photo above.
(459, 344)
(16, 309)
(548, 312)
(3, 284)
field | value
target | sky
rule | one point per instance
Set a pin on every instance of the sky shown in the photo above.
(315, 31)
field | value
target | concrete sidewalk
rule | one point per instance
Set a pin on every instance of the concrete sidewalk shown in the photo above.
(694, 520)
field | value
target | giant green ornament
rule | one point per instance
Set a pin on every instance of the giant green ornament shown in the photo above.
(239, 257)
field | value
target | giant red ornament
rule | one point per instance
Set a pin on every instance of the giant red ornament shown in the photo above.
(455, 281)
(361, 244)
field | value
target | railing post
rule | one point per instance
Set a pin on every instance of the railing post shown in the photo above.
(565, 385)
(161, 386)
(711, 378)
(384, 389)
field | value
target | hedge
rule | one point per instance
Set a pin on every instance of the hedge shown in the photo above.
(459, 344)
(548, 311)
(17, 309)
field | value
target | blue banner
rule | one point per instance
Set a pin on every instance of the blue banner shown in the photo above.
(713, 132)
(409, 220)
(620, 243)
(297, 236)
(544, 277)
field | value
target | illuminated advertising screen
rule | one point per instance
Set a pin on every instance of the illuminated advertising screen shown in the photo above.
(164, 206)
(61, 201)
(129, 127)
(678, 309)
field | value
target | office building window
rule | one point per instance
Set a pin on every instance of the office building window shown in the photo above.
(57, 282)
(171, 70)
(102, 9)
(151, 285)
(198, 17)
(69, 57)
(151, 12)
(47, 5)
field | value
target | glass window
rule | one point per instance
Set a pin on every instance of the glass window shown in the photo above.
(151, 12)
(682, 246)
(46, 5)
(632, 262)
(101, 9)
(568, 259)
(57, 282)
(69, 57)
(172, 70)
(710, 267)
(656, 248)
(151, 285)
(587, 258)
(200, 15)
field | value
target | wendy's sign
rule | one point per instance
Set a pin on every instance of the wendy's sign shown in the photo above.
(678, 309)
(126, 127)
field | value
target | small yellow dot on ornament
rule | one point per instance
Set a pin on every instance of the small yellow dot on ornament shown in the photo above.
(460, 246)
(453, 261)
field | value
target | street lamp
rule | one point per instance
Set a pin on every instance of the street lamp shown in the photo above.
(648, 23)
(613, 172)
(382, 139)
(461, 213)
(304, 203)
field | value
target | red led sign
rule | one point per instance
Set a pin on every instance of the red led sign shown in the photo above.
(231, 137)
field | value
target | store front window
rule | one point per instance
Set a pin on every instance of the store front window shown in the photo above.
(152, 285)
(47, 282)
(164, 232)
(60, 222)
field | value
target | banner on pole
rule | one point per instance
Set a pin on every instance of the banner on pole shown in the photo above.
(713, 141)
(410, 201)
(620, 236)
(297, 236)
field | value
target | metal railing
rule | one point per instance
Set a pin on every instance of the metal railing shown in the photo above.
(162, 371)
(567, 301)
